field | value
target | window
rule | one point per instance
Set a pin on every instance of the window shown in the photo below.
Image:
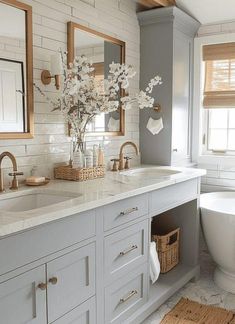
(219, 130)
(219, 87)
(219, 98)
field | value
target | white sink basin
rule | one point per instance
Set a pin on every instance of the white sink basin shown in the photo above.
(25, 201)
(151, 172)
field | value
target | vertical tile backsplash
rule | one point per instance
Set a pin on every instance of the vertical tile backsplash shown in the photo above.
(51, 143)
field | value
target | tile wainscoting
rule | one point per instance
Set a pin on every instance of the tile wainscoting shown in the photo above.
(218, 178)
(51, 143)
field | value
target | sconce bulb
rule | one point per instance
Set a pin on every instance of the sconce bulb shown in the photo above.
(56, 64)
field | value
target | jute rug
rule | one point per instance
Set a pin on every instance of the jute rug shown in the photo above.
(190, 312)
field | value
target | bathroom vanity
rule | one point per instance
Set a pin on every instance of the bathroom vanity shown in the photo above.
(79, 252)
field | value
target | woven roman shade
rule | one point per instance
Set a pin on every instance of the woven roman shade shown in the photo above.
(219, 90)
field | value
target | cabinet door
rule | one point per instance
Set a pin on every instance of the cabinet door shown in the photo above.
(181, 112)
(71, 281)
(83, 314)
(21, 301)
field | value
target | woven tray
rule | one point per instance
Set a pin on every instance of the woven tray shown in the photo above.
(168, 249)
(66, 172)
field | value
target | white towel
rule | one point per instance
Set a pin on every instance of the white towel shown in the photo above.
(154, 263)
(113, 125)
(155, 125)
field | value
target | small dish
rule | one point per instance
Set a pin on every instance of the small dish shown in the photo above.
(43, 183)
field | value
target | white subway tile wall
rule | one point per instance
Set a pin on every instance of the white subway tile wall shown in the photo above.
(51, 143)
(219, 176)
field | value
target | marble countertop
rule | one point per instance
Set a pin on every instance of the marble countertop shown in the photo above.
(84, 196)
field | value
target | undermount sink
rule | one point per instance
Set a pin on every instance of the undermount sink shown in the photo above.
(25, 201)
(151, 172)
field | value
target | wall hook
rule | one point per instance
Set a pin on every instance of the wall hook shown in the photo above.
(157, 107)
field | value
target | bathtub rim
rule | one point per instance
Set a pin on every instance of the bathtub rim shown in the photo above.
(215, 193)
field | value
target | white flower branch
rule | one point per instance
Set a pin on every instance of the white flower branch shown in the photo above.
(82, 97)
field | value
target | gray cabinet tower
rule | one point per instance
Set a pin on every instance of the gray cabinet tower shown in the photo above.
(167, 50)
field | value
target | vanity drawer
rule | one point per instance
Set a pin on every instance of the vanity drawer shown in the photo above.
(125, 249)
(171, 196)
(125, 296)
(124, 211)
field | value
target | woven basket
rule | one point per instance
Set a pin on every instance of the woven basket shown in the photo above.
(66, 172)
(168, 249)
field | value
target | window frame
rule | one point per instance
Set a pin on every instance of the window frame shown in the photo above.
(199, 153)
(205, 136)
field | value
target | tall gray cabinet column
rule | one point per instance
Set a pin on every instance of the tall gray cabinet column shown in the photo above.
(167, 50)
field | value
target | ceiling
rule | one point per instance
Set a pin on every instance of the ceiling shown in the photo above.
(209, 11)
(205, 11)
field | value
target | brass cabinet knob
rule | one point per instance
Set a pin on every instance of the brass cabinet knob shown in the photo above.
(53, 280)
(42, 286)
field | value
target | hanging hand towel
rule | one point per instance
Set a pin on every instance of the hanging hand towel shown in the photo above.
(155, 125)
(154, 263)
(113, 125)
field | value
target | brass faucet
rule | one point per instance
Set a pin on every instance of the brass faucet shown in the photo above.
(121, 155)
(14, 185)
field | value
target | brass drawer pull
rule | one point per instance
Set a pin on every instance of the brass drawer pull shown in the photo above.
(133, 247)
(53, 280)
(42, 286)
(128, 211)
(131, 294)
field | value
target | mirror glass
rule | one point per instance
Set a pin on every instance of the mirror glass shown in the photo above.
(101, 50)
(14, 105)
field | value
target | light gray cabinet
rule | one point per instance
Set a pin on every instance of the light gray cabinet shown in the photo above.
(46, 293)
(21, 299)
(167, 50)
(93, 267)
(71, 281)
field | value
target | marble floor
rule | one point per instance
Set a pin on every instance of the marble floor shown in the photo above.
(204, 291)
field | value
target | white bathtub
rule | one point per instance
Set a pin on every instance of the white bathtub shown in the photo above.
(218, 224)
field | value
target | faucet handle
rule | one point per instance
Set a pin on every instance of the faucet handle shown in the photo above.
(15, 173)
(14, 184)
(127, 163)
(115, 166)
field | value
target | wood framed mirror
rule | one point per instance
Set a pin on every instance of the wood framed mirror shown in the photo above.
(102, 50)
(16, 70)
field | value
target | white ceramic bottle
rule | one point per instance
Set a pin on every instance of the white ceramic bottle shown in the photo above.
(100, 156)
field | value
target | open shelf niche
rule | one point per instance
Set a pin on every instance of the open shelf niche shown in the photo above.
(187, 219)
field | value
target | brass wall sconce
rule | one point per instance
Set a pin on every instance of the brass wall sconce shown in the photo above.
(55, 73)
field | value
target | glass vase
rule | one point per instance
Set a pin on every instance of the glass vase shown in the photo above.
(79, 142)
